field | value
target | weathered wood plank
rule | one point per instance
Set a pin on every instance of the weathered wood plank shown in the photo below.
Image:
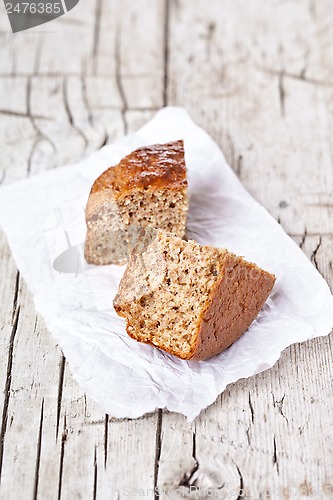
(262, 433)
(273, 127)
(9, 316)
(60, 110)
(32, 388)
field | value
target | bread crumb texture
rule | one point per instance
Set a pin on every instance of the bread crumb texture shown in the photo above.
(190, 300)
(147, 188)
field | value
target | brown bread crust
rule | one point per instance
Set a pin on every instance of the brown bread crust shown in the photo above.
(147, 187)
(234, 304)
(161, 166)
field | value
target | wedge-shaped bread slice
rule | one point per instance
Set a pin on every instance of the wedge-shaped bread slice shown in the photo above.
(190, 300)
(148, 187)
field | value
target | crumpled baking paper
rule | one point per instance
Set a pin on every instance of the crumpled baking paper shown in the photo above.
(43, 218)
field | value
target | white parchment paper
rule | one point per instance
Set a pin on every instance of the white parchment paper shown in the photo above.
(43, 218)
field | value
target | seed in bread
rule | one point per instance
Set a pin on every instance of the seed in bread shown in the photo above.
(147, 187)
(189, 300)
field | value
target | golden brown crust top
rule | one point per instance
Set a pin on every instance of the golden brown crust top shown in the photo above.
(160, 166)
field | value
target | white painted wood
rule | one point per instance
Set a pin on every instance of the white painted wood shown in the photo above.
(57, 444)
(248, 72)
(270, 432)
(258, 76)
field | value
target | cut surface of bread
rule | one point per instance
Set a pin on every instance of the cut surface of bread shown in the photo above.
(147, 188)
(189, 300)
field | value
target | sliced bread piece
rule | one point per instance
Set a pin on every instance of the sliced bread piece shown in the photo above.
(147, 188)
(190, 300)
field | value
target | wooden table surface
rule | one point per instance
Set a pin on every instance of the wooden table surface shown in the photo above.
(258, 76)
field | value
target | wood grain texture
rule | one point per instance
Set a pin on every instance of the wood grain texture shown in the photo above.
(258, 77)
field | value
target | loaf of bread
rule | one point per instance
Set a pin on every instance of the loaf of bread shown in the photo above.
(189, 300)
(147, 188)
